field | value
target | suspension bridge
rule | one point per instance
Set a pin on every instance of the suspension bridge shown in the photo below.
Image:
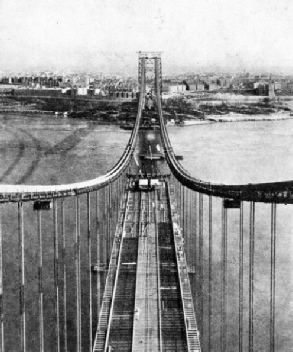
(129, 270)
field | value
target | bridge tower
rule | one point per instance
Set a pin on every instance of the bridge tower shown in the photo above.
(150, 59)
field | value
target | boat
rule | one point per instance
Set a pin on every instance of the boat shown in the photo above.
(188, 122)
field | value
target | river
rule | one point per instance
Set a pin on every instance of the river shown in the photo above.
(241, 153)
(49, 150)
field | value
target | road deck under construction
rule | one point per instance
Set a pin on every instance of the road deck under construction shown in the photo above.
(147, 304)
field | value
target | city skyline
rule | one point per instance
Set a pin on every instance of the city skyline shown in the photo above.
(105, 36)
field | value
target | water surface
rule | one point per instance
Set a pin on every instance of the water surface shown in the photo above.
(49, 150)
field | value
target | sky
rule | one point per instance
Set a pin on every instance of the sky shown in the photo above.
(105, 35)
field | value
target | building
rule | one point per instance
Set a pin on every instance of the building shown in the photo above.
(82, 91)
(266, 89)
(177, 88)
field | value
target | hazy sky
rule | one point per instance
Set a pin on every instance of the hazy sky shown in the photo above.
(106, 34)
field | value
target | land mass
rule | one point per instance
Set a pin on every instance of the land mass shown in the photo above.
(178, 110)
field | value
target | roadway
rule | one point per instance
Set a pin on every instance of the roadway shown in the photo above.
(146, 310)
(147, 304)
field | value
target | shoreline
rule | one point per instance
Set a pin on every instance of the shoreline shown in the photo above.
(209, 119)
(244, 117)
(235, 118)
(26, 112)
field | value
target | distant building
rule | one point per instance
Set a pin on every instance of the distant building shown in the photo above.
(266, 89)
(211, 86)
(278, 86)
(177, 89)
(82, 91)
(290, 86)
(200, 86)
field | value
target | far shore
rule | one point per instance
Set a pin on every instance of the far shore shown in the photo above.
(209, 119)
(232, 117)
(101, 117)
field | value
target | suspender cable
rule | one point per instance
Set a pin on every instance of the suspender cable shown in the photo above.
(64, 275)
(1, 286)
(40, 274)
(178, 192)
(77, 272)
(101, 226)
(21, 277)
(251, 274)
(56, 259)
(116, 201)
(210, 271)
(105, 260)
(195, 252)
(190, 225)
(200, 259)
(90, 270)
(224, 280)
(106, 225)
(109, 218)
(241, 278)
(98, 215)
(112, 209)
(180, 204)
(183, 213)
(177, 188)
(119, 184)
(273, 273)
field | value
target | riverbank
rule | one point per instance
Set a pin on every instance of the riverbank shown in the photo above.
(116, 117)
(26, 112)
(232, 117)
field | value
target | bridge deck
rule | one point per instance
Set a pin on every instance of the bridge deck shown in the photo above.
(146, 328)
(149, 305)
